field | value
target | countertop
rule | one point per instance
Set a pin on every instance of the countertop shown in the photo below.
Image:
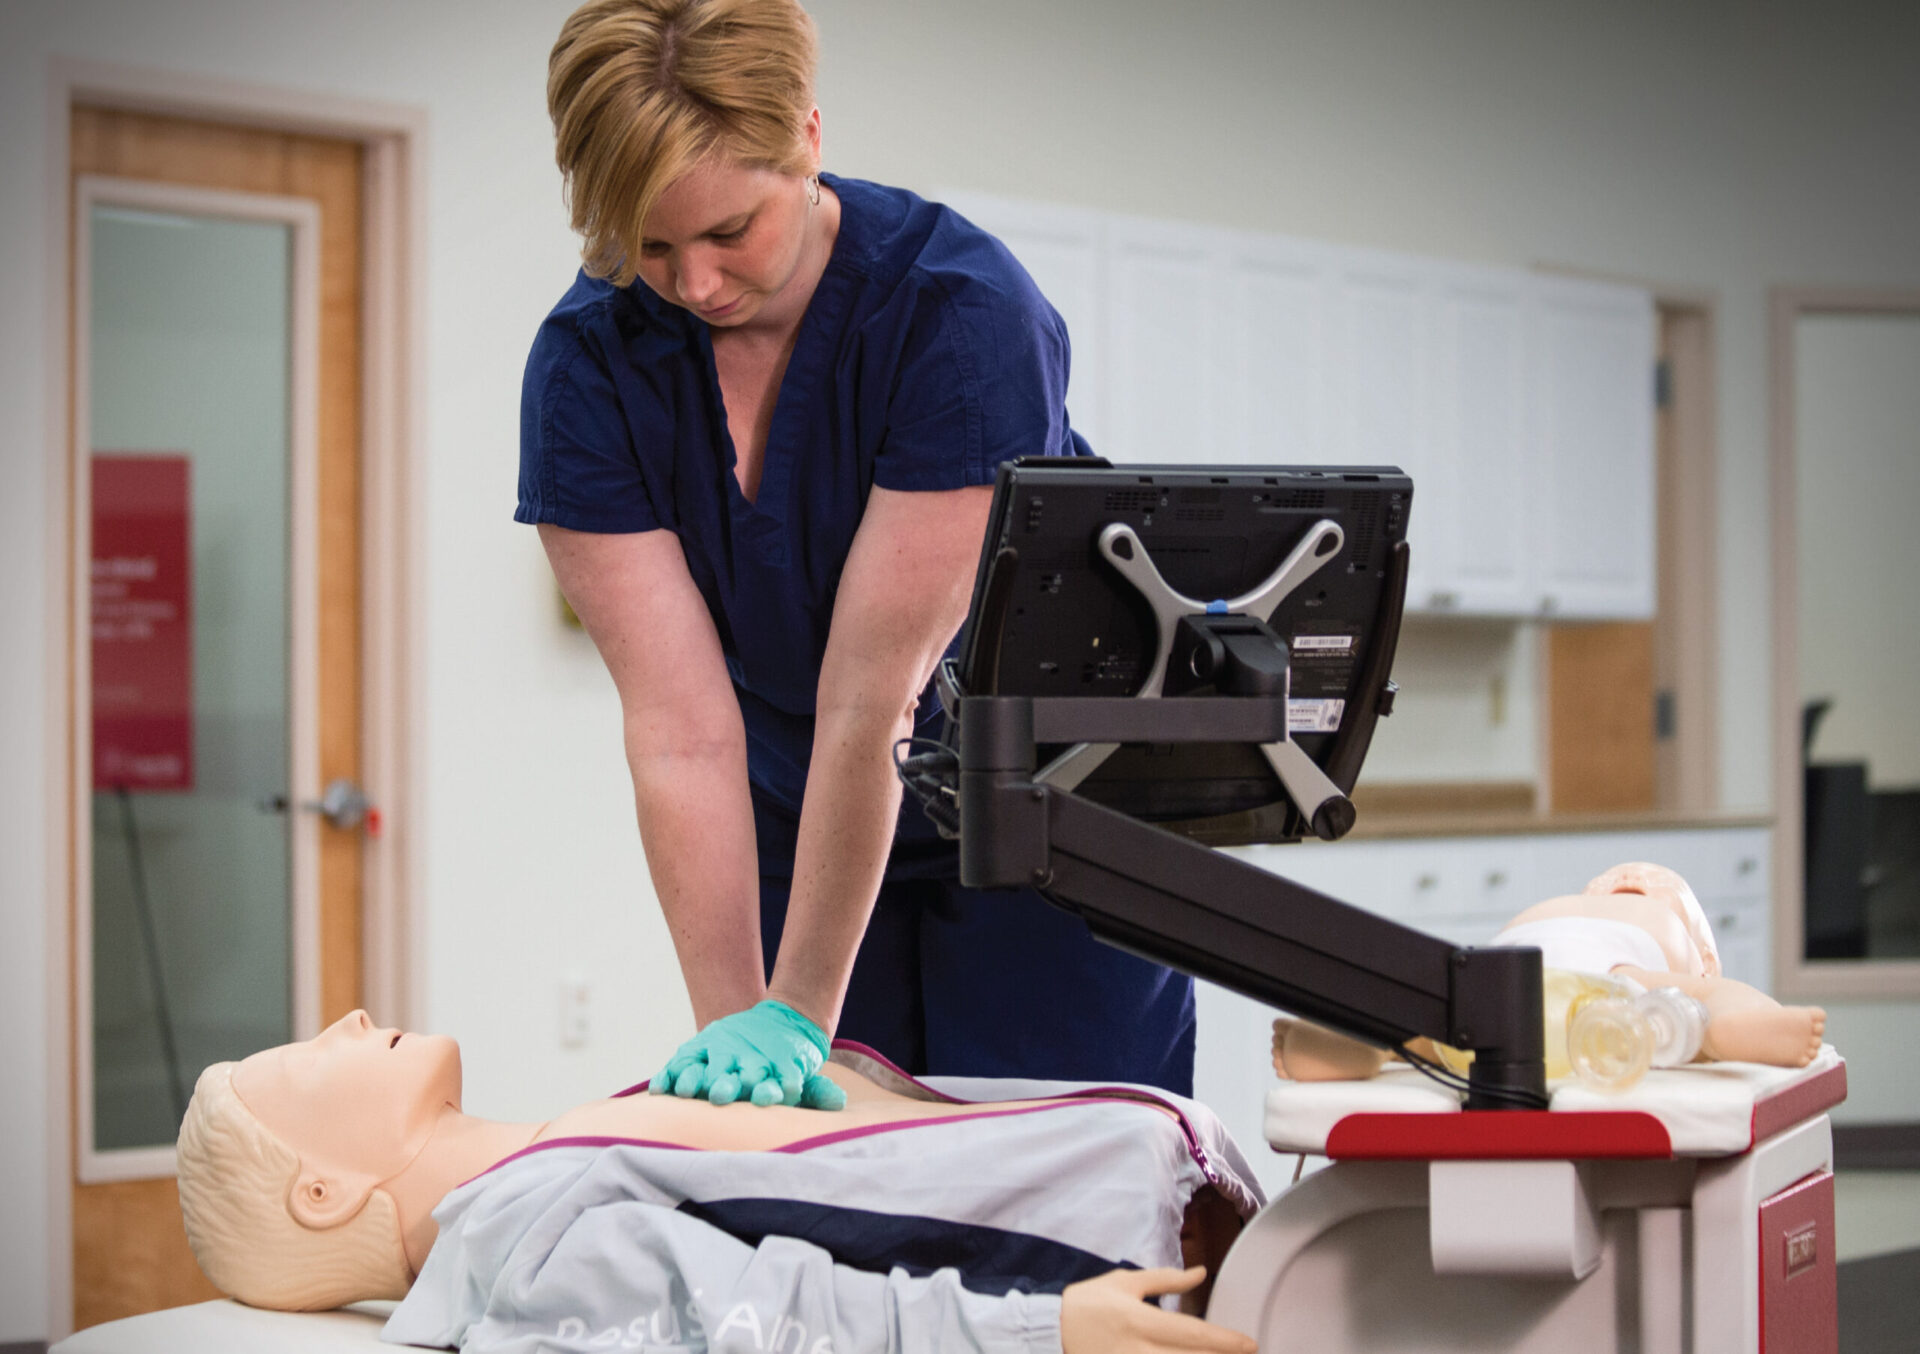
(1389, 824)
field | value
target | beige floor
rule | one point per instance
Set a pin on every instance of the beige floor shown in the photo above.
(1876, 1212)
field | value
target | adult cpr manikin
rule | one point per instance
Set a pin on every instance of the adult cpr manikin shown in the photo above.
(309, 1174)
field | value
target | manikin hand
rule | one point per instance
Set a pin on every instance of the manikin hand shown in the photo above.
(1107, 1315)
(769, 1053)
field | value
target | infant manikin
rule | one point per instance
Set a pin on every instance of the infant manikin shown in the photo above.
(1638, 925)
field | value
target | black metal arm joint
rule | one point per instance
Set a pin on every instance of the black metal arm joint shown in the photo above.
(1175, 901)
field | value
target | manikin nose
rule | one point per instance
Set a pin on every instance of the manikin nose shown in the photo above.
(354, 1022)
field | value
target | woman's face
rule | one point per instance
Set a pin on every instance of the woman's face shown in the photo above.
(357, 1096)
(726, 242)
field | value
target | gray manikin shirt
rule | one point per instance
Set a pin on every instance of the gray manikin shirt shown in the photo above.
(949, 1235)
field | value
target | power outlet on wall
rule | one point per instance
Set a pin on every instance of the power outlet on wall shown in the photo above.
(575, 1011)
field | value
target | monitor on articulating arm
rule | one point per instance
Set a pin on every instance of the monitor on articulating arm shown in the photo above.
(1067, 603)
(1164, 659)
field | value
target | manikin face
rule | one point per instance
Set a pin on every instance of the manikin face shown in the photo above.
(724, 241)
(1666, 886)
(358, 1099)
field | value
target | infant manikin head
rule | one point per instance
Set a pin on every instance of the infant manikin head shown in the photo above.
(282, 1157)
(1664, 885)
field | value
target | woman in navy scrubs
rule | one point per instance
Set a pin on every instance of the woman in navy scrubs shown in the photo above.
(758, 436)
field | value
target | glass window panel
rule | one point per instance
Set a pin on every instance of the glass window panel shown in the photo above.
(189, 369)
(1857, 468)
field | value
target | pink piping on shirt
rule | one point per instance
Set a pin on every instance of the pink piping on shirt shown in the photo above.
(1100, 1094)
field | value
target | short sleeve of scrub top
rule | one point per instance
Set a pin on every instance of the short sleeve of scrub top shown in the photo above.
(926, 358)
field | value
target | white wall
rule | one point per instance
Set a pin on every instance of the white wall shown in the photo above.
(1468, 707)
(1717, 145)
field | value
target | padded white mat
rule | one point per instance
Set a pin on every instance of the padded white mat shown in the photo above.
(225, 1327)
(1707, 1108)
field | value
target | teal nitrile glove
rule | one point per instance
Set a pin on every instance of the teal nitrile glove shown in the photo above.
(769, 1053)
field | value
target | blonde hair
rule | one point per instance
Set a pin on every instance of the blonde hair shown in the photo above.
(641, 91)
(236, 1178)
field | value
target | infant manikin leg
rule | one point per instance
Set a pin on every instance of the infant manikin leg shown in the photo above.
(1744, 1024)
(1303, 1051)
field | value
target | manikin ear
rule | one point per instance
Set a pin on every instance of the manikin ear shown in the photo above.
(324, 1198)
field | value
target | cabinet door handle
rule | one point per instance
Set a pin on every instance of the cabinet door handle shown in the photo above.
(1727, 921)
(1747, 865)
(1427, 881)
(1497, 879)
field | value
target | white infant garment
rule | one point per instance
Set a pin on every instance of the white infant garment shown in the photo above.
(1588, 944)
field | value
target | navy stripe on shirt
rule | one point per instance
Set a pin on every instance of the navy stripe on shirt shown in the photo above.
(989, 1260)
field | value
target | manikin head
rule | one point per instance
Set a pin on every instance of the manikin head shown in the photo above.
(1664, 885)
(282, 1159)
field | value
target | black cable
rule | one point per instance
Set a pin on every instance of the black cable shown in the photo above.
(175, 1086)
(1453, 1081)
(932, 778)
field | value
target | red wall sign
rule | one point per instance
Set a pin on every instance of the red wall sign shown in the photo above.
(142, 623)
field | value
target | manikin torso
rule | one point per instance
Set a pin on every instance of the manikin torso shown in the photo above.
(462, 1147)
(747, 1128)
(1652, 914)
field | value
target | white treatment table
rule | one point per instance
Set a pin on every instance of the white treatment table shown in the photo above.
(1693, 1215)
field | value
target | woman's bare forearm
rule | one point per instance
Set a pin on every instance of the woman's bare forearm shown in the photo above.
(686, 747)
(846, 831)
(696, 826)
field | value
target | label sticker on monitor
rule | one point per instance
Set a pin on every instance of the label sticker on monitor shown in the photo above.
(1315, 716)
(1324, 659)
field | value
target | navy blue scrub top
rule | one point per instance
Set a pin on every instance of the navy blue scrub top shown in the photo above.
(926, 357)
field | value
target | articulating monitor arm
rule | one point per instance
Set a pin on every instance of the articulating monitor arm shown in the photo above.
(1175, 901)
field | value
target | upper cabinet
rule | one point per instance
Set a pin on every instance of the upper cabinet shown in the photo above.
(1591, 392)
(1521, 404)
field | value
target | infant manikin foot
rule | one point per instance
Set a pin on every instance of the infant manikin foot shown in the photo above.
(1784, 1036)
(1303, 1051)
(1280, 1028)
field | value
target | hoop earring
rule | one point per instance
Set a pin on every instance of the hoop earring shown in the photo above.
(813, 190)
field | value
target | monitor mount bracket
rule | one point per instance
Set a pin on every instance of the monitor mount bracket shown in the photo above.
(1196, 644)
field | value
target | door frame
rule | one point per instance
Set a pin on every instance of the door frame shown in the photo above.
(1687, 776)
(1794, 975)
(393, 140)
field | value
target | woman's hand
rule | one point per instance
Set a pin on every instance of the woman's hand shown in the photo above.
(769, 1054)
(1108, 1315)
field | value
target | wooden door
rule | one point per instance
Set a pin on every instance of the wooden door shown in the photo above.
(130, 1253)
